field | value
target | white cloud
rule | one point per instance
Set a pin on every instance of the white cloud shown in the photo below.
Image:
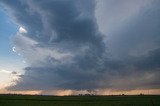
(5, 71)
(22, 30)
(13, 49)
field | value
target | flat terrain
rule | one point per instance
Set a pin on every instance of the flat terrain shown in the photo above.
(35, 100)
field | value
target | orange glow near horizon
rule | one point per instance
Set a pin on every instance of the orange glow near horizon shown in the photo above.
(74, 92)
(3, 91)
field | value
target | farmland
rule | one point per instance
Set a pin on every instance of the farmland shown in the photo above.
(36, 100)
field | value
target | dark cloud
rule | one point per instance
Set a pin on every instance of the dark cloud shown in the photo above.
(65, 50)
(14, 73)
(150, 61)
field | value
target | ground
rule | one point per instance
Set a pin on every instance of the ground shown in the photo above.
(117, 100)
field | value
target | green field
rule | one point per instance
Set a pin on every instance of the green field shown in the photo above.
(30, 100)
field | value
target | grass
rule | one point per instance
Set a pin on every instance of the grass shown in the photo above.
(35, 100)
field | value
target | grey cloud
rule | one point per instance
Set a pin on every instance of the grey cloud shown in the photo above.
(74, 25)
(138, 33)
(14, 73)
(65, 49)
(150, 61)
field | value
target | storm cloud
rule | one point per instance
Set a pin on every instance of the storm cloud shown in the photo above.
(66, 45)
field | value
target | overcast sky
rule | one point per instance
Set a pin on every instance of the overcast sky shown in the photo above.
(79, 45)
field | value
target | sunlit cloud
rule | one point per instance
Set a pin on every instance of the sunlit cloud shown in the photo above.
(13, 49)
(22, 30)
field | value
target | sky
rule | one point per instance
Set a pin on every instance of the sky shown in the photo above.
(64, 47)
(8, 65)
